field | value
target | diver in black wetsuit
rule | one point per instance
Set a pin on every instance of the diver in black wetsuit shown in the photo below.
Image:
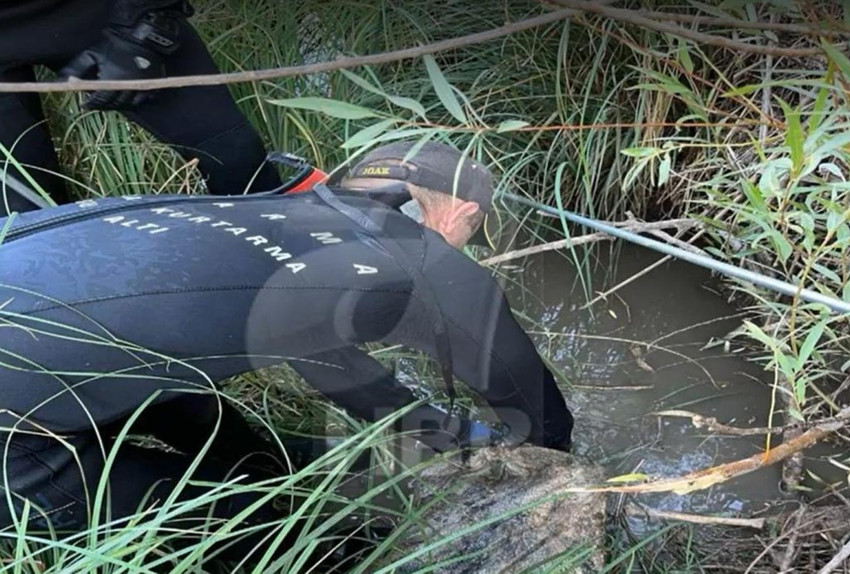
(111, 303)
(122, 40)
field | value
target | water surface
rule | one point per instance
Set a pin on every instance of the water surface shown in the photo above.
(613, 381)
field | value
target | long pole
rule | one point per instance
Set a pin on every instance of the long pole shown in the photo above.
(9, 183)
(783, 287)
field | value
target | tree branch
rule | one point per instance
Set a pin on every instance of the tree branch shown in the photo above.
(635, 17)
(636, 226)
(342, 62)
(713, 425)
(757, 523)
(738, 23)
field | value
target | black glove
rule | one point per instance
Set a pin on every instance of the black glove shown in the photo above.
(127, 53)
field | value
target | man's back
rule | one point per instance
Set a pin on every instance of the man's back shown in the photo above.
(111, 303)
(225, 285)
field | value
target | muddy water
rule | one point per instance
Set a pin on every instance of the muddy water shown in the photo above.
(613, 381)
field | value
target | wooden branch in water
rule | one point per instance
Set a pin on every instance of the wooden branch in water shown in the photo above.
(552, 246)
(635, 17)
(342, 62)
(613, 388)
(708, 477)
(713, 425)
(636, 226)
(757, 523)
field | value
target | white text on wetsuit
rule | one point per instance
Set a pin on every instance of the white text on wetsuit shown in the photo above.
(276, 252)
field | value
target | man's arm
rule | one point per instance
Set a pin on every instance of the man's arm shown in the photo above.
(490, 351)
(356, 381)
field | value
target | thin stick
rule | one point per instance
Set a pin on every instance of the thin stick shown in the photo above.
(790, 548)
(757, 523)
(664, 236)
(638, 275)
(342, 62)
(560, 244)
(713, 425)
(633, 17)
(613, 388)
(738, 23)
(636, 226)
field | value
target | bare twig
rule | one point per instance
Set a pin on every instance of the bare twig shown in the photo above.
(769, 549)
(604, 295)
(792, 467)
(766, 96)
(664, 236)
(738, 23)
(552, 246)
(613, 388)
(837, 560)
(632, 224)
(713, 425)
(791, 549)
(757, 523)
(339, 63)
(634, 17)
(636, 226)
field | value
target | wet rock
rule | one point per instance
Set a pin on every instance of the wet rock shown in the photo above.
(521, 491)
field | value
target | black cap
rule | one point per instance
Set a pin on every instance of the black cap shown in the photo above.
(434, 166)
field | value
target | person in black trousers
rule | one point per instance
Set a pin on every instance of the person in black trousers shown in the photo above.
(122, 40)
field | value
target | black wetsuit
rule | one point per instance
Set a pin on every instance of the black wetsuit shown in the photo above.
(108, 303)
(199, 122)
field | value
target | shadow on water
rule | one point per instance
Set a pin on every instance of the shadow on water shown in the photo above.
(646, 349)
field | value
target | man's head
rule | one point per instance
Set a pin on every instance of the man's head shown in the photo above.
(454, 193)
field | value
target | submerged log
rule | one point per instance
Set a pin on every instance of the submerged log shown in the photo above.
(505, 510)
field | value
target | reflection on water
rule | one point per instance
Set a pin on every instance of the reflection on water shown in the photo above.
(613, 380)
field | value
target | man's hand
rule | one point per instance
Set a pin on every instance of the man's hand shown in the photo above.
(134, 53)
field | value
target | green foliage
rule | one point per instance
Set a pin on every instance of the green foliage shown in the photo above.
(788, 216)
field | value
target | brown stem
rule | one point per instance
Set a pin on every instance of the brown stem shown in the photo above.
(757, 523)
(635, 226)
(635, 17)
(738, 23)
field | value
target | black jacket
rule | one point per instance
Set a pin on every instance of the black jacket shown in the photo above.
(105, 304)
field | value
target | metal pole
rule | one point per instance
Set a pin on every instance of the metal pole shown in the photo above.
(8, 182)
(783, 287)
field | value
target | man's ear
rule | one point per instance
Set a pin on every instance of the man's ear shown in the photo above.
(464, 209)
